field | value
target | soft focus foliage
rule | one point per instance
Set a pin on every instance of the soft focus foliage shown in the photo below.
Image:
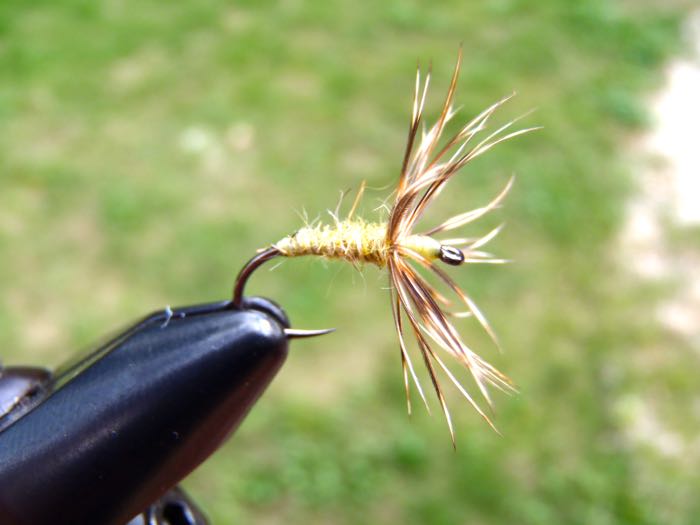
(148, 148)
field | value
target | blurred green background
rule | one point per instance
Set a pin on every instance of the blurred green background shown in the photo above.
(147, 149)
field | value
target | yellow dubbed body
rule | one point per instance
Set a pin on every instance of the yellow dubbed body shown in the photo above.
(354, 241)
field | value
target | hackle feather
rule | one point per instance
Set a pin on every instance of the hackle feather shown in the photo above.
(427, 167)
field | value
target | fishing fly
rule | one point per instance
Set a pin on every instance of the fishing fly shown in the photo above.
(428, 165)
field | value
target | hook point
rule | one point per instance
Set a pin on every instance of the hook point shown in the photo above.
(295, 333)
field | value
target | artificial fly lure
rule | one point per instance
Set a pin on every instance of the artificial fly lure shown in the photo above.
(427, 167)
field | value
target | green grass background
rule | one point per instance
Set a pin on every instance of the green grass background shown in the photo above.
(148, 148)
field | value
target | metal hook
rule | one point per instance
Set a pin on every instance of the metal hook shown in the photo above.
(247, 270)
(245, 273)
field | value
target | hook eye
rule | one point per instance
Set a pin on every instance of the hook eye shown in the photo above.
(451, 255)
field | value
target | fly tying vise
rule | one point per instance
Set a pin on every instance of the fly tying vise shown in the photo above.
(427, 166)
